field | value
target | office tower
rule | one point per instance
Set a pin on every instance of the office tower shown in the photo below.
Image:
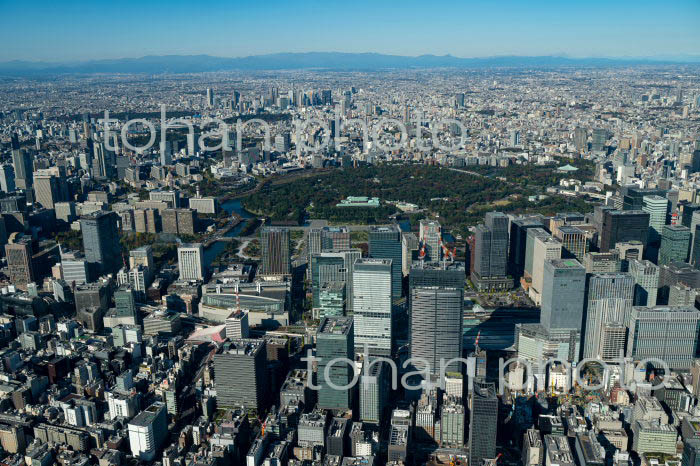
(675, 242)
(385, 243)
(491, 253)
(282, 142)
(610, 299)
(375, 388)
(7, 178)
(580, 139)
(430, 236)
(19, 262)
(452, 423)
(125, 303)
(190, 261)
(633, 197)
(673, 273)
(483, 423)
(276, 251)
(104, 162)
(334, 266)
(657, 207)
(47, 190)
(459, 99)
(694, 256)
(691, 452)
(23, 165)
(563, 293)
(334, 339)
(532, 233)
(147, 431)
(687, 211)
(166, 153)
(600, 137)
(372, 306)
(603, 262)
(241, 378)
(446, 275)
(622, 226)
(630, 250)
(326, 239)
(101, 241)
(573, 240)
(436, 325)
(514, 138)
(210, 98)
(646, 282)
(666, 333)
(519, 228)
(545, 248)
(331, 299)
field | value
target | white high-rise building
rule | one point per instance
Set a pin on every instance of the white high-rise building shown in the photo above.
(544, 249)
(190, 260)
(372, 306)
(430, 237)
(147, 431)
(646, 280)
(610, 298)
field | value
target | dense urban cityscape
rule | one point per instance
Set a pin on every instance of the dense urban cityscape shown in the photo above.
(339, 259)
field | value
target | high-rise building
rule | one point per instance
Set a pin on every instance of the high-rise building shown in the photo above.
(276, 251)
(610, 298)
(580, 139)
(101, 241)
(666, 333)
(621, 226)
(385, 243)
(483, 422)
(190, 261)
(47, 190)
(436, 320)
(375, 388)
(125, 303)
(657, 207)
(573, 240)
(519, 228)
(452, 420)
(545, 248)
(633, 196)
(7, 178)
(430, 236)
(333, 266)
(563, 294)
(147, 431)
(372, 306)
(646, 282)
(532, 233)
(675, 242)
(444, 275)
(603, 262)
(241, 378)
(334, 339)
(490, 268)
(23, 165)
(19, 262)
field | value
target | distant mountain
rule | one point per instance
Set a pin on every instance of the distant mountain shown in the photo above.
(310, 60)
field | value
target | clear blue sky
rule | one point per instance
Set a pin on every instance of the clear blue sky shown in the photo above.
(79, 30)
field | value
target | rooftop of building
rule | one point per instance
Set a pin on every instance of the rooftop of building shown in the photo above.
(335, 326)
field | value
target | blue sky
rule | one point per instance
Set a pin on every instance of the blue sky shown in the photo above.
(80, 30)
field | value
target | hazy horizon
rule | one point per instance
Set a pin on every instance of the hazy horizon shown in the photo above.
(83, 31)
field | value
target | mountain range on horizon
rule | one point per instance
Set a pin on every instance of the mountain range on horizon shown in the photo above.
(329, 61)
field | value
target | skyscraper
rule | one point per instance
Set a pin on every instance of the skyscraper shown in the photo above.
(518, 243)
(276, 251)
(646, 282)
(610, 298)
(101, 241)
(47, 190)
(334, 339)
(385, 243)
(483, 423)
(666, 333)
(372, 306)
(190, 260)
(436, 324)
(374, 391)
(23, 165)
(430, 236)
(657, 208)
(622, 226)
(7, 178)
(333, 266)
(491, 253)
(19, 261)
(675, 242)
(563, 294)
(241, 378)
